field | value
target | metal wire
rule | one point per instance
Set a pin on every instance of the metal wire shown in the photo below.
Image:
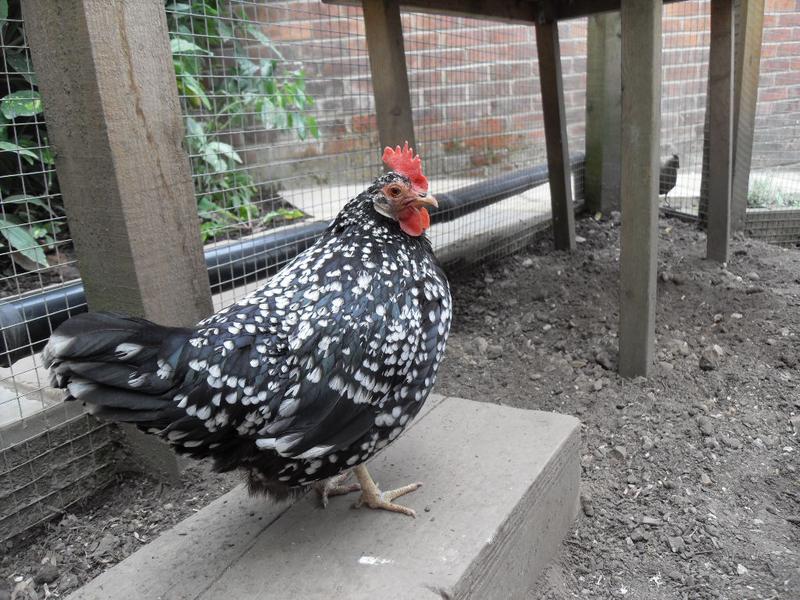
(773, 198)
(686, 38)
(35, 246)
(280, 127)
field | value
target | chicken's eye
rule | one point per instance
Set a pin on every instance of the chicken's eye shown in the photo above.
(394, 191)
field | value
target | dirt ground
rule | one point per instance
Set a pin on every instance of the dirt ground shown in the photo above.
(690, 483)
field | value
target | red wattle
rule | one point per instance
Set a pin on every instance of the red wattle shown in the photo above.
(415, 221)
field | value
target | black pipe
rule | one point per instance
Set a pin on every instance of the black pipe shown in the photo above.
(26, 323)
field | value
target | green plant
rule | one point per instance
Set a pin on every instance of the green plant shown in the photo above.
(31, 219)
(768, 193)
(213, 37)
(202, 41)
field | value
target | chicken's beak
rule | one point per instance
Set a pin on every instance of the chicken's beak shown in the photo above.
(425, 200)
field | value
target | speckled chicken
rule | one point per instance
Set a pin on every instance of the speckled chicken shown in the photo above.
(306, 378)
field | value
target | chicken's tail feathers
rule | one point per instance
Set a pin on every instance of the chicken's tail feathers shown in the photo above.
(121, 367)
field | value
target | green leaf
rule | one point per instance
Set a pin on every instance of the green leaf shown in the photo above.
(224, 149)
(182, 46)
(214, 161)
(21, 240)
(313, 128)
(24, 103)
(3, 10)
(263, 39)
(21, 63)
(26, 199)
(193, 89)
(11, 147)
(179, 7)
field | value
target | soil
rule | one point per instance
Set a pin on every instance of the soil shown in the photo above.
(690, 482)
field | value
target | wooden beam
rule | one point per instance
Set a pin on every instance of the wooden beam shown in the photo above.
(387, 61)
(603, 113)
(555, 131)
(641, 125)
(720, 127)
(110, 98)
(508, 11)
(749, 28)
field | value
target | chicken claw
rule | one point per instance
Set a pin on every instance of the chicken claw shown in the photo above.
(374, 498)
(335, 486)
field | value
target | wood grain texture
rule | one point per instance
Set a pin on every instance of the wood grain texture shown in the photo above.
(641, 123)
(603, 113)
(524, 12)
(106, 77)
(555, 131)
(387, 61)
(720, 130)
(749, 27)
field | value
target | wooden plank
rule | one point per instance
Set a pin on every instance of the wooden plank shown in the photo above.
(603, 113)
(641, 125)
(749, 29)
(387, 61)
(555, 131)
(720, 127)
(115, 125)
(508, 11)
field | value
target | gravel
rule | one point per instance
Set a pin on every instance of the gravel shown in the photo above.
(690, 485)
(675, 468)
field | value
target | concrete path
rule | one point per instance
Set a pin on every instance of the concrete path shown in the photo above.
(501, 490)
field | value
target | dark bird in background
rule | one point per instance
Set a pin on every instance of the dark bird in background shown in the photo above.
(668, 175)
(306, 378)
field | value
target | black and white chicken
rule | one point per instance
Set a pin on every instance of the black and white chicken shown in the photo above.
(304, 379)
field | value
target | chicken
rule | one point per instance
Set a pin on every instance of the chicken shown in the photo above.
(306, 378)
(668, 175)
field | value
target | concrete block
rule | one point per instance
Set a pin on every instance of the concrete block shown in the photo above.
(501, 490)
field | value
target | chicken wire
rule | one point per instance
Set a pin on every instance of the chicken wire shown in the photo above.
(773, 195)
(58, 455)
(773, 198)
(35, 247)
(684, 86)
(475, 101)
(281, 131)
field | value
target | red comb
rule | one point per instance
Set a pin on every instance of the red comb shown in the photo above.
(404, 161)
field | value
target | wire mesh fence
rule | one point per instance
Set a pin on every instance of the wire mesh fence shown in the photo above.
(773, 197)
(281, 131)
(35, 247)
(685, 51)
(281, 125)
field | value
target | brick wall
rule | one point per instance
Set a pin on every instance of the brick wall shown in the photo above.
(475, 91)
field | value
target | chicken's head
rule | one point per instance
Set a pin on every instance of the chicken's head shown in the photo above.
(403, 191)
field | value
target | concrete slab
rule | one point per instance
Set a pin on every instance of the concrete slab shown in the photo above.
(501, 489)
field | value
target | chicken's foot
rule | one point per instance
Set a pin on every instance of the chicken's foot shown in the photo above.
(335, 486)
(374, 498)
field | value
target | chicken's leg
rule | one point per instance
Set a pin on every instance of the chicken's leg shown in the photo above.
(374, 498)
(335, 486)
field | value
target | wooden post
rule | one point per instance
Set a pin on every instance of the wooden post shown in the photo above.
(641, 125)
(387, 61)
(720, 126)
(106, 77)
(555, 131)
(747, 63)
(603, 113)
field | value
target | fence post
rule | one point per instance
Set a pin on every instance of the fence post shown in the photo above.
(720, 128)
(387, 61)
(603, 112)
(749, 28)
(641, 127)
(106, 77)
(555, 132)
